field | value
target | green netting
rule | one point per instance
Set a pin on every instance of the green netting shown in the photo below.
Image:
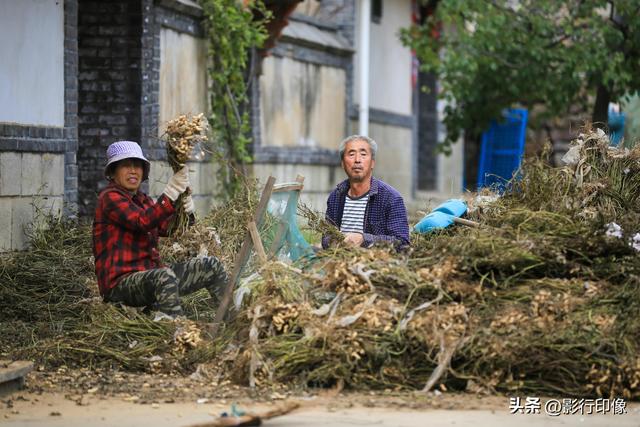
(280, 237)
(283, 235)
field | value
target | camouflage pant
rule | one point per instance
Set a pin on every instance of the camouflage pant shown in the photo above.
(162, 287)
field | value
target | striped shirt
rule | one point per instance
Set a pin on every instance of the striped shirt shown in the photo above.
(353, 214)
(386, 216)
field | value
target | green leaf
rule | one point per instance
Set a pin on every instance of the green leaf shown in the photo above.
(494, 55)
(232, 34)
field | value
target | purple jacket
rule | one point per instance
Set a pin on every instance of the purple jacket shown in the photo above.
(385, 218)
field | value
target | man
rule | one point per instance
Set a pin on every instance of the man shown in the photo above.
(365, 209)
(126, 227)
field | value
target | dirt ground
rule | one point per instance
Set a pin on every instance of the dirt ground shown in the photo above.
(123, 400)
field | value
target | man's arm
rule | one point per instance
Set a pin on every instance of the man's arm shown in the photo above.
(397, 226)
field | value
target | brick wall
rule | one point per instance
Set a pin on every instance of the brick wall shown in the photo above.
(70, 106)
(150, 72)
(109, 94)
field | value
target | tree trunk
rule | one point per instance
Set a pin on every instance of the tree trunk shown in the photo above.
(601, 108)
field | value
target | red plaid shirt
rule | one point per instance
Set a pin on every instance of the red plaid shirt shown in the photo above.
(125, 233)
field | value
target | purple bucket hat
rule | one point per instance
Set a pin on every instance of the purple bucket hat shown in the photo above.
(121, 150)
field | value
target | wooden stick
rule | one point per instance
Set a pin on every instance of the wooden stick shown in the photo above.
(251, 419)
(241, 421)
(277, 240)
(280, 410)
(444, 359)
(466, 222)
(242, 257)
(257, 242)
(288, 188)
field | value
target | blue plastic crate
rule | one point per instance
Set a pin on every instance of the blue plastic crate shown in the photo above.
(502, 148)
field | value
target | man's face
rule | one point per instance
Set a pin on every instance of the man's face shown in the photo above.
(357, 161)
(128, 174)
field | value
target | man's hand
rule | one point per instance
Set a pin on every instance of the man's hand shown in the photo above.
(353, 239)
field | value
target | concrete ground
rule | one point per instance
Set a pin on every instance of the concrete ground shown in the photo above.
(55, 410)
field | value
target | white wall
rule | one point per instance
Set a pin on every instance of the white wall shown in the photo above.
(394, 157)
(32, 64)
(451, 167)
(390, 66)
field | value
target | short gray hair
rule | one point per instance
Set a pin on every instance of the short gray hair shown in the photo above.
(372, 144)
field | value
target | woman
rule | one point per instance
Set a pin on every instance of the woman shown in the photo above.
(126, 228)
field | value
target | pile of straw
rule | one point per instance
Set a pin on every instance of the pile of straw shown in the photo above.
(543, 297)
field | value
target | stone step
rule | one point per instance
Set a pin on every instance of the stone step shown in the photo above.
(12, 373)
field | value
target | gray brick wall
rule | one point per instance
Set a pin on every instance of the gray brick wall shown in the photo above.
(109, 86)
(150, 88)
(119, 78)
(71, 106)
